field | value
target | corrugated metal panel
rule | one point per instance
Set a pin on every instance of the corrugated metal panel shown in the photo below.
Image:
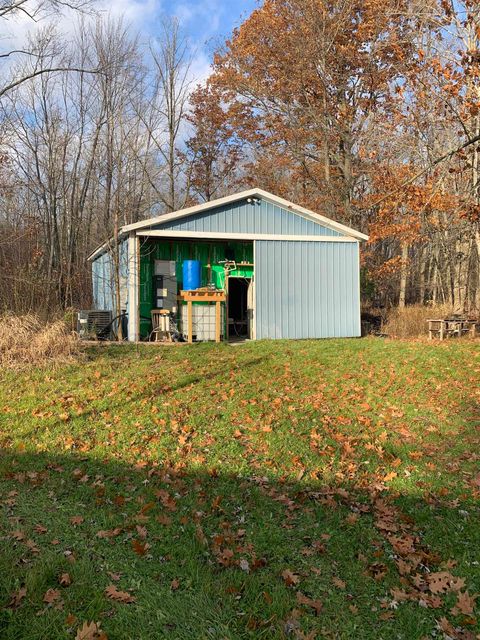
(307, 289)
(103, 281)
(245, 217)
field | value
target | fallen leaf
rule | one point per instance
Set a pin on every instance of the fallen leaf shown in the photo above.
(90, 631)
(142, 532)
(457, 584)
(65, 580)
(465, 604)
(114, 576)
(445, 626)
(32, 546)
(17, 597)
(39, 528)
(400, 595)
(352, 518)
(140, 548)
(119, 596)
(258, 563)
(404, 568)
(110, 533)
(386, 615)
(338, 583)
(390, 476)
(76, 520)
(175, 583)
(290, 578)
(309, 602)
(377, 570)
(69, 555)
(51, 596)
(224, 557)
(440, 582)
(18, 535)
(147, 507)
(244, 566)
(70, 620)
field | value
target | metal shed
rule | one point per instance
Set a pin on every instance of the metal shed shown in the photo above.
(297, 271)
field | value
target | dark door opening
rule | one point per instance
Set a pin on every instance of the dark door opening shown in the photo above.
(238, 323)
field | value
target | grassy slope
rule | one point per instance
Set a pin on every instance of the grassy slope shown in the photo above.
(352, 464)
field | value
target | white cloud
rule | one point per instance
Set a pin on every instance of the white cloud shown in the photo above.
(201, 67)
(140, 14)
(206, 12)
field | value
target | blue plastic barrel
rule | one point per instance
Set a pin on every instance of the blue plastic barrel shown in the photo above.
(192, 274)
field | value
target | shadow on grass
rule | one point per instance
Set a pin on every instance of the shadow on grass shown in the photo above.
(215, 556)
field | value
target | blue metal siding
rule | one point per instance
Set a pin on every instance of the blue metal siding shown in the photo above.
(307, 289)
(103, 285)
(103, 281)
(245, 217)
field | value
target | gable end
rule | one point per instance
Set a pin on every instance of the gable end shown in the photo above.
(257, 216)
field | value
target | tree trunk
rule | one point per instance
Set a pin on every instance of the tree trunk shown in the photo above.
(403, 276)
(460, 275)
(422, 275)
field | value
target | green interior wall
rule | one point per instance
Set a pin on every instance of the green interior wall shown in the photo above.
(209, 253)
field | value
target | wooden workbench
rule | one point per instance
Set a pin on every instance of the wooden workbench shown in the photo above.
(451, 327)
(204, 295)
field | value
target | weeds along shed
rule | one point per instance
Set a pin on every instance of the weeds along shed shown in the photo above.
(286, 272)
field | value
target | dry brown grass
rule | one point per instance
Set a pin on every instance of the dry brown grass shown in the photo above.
(411, 322)
(26, 340)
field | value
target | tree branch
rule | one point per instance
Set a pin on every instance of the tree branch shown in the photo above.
(11, 53)
(16, 83)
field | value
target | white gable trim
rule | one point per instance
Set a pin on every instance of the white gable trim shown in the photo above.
(213, 235)
(242, 195)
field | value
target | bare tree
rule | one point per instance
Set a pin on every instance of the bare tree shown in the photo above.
(81, 153)
(35, 10)
(172, 61)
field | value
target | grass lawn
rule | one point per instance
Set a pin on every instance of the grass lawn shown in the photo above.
(270, 490)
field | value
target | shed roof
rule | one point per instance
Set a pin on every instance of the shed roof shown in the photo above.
(242, 195)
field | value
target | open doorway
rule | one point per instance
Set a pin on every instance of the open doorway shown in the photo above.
(238, 307)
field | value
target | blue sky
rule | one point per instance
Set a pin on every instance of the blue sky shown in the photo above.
(205, 20)
(207, 23)
(202, 20)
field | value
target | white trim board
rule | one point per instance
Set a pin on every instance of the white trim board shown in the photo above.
(103, 248)
(212, 235)
(243, 195)
(254, 336)
(133, 288)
